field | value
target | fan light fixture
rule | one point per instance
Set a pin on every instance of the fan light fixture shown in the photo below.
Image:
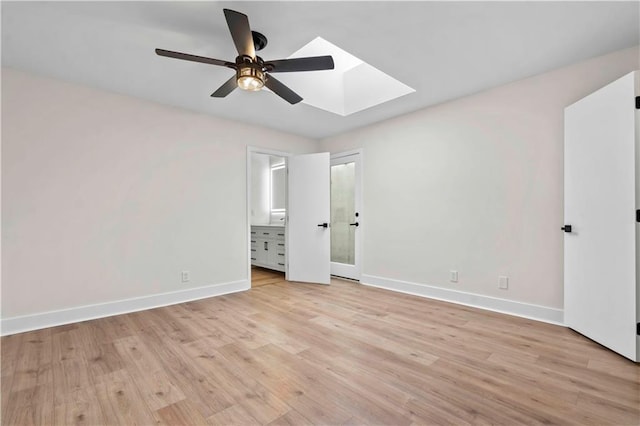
(251, 72)
(250, 78)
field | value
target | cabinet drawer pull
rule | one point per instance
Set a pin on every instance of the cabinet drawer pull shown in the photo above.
(265, 233)
(266, 246)
(281, 244)
(253, 232)
(253, 249)
(253, 258)
(281, 264)
(280, 254)
(281, 235)
(253, 241)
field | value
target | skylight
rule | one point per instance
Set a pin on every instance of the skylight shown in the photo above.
(352, 86)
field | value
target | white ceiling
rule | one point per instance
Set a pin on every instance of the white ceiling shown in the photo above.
(444, 50)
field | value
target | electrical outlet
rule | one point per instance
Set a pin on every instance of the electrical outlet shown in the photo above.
(186, 276)
(503, 283)
(453, 276)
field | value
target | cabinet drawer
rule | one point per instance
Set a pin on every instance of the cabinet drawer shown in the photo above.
(267, 231)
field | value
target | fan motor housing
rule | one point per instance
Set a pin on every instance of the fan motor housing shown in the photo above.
(259, 40)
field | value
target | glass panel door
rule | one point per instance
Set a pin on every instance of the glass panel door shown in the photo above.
(343, 211)
(345, 215)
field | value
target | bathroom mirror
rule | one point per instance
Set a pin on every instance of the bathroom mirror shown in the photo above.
(278, 188)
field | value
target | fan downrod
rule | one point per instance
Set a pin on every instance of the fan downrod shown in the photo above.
(259, 40)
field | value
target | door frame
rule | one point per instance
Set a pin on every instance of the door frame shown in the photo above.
(257, 150)
(359, 255)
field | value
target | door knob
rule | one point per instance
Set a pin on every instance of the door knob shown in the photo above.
(354, 224)
(566, 228)
(323, 225)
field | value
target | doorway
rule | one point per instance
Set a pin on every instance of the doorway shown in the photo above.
(266, 208)
(346, 214)
(292, 235)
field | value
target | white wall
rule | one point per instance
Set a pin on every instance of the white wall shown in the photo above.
(107, 197)
(475, 185)
(260, 180)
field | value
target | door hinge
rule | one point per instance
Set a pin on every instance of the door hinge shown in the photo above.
(638, 329)
(637, 102)
(637, 215)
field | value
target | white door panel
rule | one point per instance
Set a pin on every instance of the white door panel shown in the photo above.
(600, 186)
(308, 244)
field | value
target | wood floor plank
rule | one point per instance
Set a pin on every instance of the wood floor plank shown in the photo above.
(5, 392)
(181, 413)
(241, 387)
(208, 396)
(70, 380)
(291, 418)
(538, 405)
(618, 367)
(30, 406)
(33, 364)
(262, 276)
(608, 410)
(10, 350)
(83, 410)
(234, 415)
(339, 393)
(100, 354)
(378, 340)
(155, 386)
(435, 397)
(121, 402)
(323, 411)
(271, 376)
(291, 353)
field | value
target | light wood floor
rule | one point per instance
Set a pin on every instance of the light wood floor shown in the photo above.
(262, 276)
(307, 354)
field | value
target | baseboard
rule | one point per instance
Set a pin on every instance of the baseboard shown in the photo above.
(525, 310)
(88, 312)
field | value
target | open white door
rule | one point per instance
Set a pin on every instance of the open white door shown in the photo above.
(600, 247)
(308, 244)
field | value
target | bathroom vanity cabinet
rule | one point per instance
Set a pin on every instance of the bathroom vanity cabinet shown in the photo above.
(268, 247)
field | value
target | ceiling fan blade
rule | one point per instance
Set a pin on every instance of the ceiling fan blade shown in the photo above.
(194, 58)
(281, 90)
(226, 88)
(314, 63)
(240, 32)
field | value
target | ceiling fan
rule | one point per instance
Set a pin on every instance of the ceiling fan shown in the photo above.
(252, 72)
